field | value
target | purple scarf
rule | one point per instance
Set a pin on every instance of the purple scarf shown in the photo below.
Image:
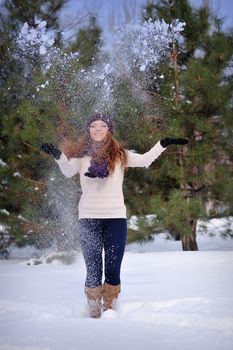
(97, 168)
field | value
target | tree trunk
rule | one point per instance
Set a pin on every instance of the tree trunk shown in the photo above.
(176, 71)
(189, 241)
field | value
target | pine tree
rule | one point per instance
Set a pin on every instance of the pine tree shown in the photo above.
(198, 87)
(22, 183)
(87, 43)
(190, 97)
(31, 115)
(31, 10)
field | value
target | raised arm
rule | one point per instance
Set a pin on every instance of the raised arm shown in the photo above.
(69, 167)
(145, 160)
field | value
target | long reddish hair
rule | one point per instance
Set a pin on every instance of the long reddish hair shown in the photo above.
(110, 150)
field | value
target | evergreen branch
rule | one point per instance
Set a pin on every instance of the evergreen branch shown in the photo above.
(36, 149)
(32, 147)
(33, 181)
(195, 190)
(32, 226)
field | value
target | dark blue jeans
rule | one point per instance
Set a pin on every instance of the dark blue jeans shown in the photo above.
(96, 236)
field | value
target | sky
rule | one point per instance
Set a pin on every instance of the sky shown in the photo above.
(113, 12)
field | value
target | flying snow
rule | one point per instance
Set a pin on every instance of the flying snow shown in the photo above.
(135, 48)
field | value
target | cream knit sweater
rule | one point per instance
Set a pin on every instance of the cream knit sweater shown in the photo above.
(103, 198)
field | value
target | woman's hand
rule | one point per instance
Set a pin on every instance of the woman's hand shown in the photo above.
(51, 149)
(173, 141)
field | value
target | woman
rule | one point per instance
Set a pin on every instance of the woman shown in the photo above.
(100, 160)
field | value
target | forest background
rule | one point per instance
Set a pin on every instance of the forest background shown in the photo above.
(191, 97)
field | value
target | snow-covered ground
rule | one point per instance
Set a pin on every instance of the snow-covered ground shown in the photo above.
(170, 299)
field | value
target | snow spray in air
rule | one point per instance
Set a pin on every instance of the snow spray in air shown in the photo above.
(134, 49)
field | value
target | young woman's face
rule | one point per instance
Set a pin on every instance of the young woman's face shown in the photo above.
(98, 130)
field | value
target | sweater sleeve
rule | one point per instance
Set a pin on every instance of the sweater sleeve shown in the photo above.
(145, 160)
(69, 167)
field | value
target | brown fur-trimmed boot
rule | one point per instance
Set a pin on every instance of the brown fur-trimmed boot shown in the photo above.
(94, 299)
(110, 295)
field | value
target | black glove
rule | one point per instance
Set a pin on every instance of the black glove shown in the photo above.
(88, 174)
(51, 149)
(171, 141)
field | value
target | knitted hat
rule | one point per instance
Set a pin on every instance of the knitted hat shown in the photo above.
(99, 116)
